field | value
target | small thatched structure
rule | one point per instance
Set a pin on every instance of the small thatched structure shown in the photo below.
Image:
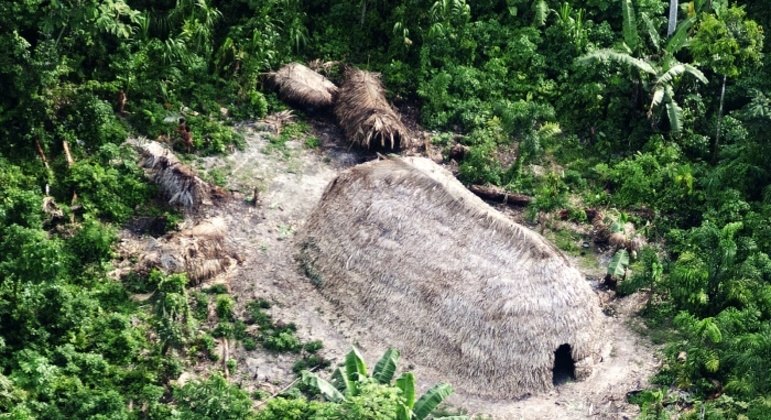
(408, 253)
(201, 252)
(302, 86)
(365, 114)
(178, 182)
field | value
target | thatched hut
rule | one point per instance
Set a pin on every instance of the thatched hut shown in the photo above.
(407, 252)
(178, 182)
(365, 114)
(300, 85)
(201, 252)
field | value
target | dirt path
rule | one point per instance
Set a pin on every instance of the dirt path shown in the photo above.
(291, 181)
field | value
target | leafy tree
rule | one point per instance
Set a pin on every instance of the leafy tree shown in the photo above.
(727, 43)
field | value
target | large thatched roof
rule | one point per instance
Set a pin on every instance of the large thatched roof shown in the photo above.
(365, 114)
(298, 84)
(407, 252)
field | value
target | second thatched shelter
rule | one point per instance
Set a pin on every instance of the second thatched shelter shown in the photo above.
(365, 114)
(407, 252)
(300, 85)
(178, 182)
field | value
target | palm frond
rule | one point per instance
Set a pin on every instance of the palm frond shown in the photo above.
(631, 37)
(680, 38)
(658, 97)
(680, 69)
(651, 31)
(622, 58)
(674, 112)
(695, 73)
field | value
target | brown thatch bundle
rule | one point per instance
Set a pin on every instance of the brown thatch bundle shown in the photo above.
(611, 229)
(201, 252)
(178, 182)
(407, 252)
(365, 114)
(300, 85)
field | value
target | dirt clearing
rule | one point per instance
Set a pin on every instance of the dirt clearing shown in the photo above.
(291, 179)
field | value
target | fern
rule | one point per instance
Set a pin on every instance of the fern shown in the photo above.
(759, 106)
(540, 12)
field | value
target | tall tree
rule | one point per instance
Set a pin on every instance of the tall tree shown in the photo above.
(728, 44)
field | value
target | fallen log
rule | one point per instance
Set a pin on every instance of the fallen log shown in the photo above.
(499, 195)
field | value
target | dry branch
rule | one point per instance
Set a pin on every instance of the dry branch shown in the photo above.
(302, 86)
(366, 116)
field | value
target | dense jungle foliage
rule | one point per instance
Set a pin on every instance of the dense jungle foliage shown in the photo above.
(603, 104)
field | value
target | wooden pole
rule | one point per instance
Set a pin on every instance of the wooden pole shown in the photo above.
(41, 154)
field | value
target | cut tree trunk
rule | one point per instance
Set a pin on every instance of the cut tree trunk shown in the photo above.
(41, 154)
(499, 195)
(70, 162)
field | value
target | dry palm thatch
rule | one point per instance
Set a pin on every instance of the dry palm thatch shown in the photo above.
(276, 121)
(178, 182)
(201, 252)
(406, 251)
(365, 115)
(300, 85)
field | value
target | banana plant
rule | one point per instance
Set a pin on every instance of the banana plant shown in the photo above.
(346, 381)
(658, 71)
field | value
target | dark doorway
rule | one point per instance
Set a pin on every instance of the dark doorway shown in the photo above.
(564, 366)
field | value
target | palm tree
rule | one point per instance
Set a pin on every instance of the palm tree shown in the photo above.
(659, 71)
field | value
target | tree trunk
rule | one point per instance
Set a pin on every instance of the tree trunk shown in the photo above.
(499, 195)
(673, 5)
(41, 154)
(67, 154)
(716, 143)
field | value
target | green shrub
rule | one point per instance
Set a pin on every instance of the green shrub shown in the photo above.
(201, 305)
(212, 398)
(249, 344)
(92, 243)
(282, 340)
(224, 307)
(109, 185)
(216, 289)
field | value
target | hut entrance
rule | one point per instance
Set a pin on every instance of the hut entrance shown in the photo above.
(564, 366)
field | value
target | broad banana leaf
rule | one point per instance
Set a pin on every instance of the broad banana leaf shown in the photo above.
(327, 390)
(406, 383)
(355, 368)
(385, 368)
(430, 400)
(618, 264)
